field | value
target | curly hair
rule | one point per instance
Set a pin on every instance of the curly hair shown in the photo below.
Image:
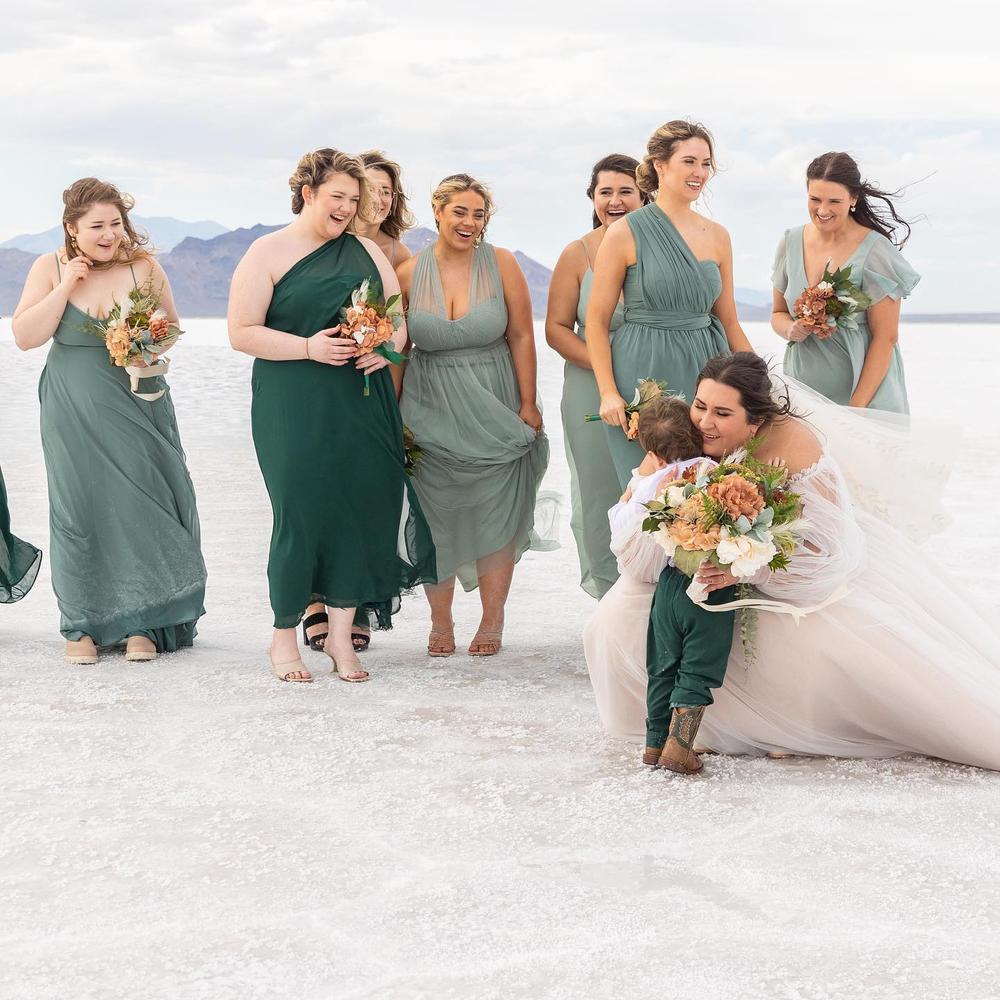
(314, 168)
(80, 197)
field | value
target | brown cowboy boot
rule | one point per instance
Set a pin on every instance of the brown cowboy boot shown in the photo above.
(678, 753)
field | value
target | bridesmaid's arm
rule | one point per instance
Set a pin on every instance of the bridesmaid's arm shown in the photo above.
(883, 321)
(725, 304)
(564, 300)
(615, 254)
(520, 336)
(44, 298)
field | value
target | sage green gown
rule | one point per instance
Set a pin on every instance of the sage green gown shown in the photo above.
(481, 466)
(669, 330)
(19, 560)
(832, 366)
(125, 542)
(594, 486)
(347, 528)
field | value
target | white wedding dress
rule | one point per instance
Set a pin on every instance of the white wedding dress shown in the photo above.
(906, 662)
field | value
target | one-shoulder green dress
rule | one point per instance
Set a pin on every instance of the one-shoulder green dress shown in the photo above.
(347, 527)
(594, 486)
(125, 541)
(481, 466)
(669, 330)
(19, 560)
(832, 366)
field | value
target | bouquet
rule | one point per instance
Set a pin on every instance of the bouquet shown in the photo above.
(831, 304)
(411, 451)
(136, 333)
(370, 323)
(646, 390)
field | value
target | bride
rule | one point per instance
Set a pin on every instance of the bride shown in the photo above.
(900, 661)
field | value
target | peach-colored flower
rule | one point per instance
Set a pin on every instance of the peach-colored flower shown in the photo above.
(692, 538)
(633, 426)
(810, 308)
(738, 496)
(159, 325)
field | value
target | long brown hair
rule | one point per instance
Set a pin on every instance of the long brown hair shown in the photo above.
(400, 218)
(80, 197)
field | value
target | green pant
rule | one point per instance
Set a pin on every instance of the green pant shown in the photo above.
(687, 650)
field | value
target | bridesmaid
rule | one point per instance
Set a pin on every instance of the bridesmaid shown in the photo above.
(19, 561)
(124, 533)
(391, 217)
(348, 530)
(854, 367)
(469, 397)
(593, 481)
(676, 270)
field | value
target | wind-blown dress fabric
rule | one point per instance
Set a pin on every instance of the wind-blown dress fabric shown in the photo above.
(594, 485)
(481, 466)
(19, 560)
(125, 541)
(347, 527)
(832, 366)
(669, 330)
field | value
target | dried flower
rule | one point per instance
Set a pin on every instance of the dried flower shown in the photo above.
(738, 496)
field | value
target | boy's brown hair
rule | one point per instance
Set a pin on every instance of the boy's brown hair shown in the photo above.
(666, 430)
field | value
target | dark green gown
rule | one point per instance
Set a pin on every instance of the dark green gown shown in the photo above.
(347, 528)
(125, 541)
(19, 561)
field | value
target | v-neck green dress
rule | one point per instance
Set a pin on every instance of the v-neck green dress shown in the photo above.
(19, 560)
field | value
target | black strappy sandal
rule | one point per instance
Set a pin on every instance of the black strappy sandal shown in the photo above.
(361, 641)
(315, 642)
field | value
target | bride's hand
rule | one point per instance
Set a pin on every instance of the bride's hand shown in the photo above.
(711, 577)
(613, 410)
(798, 332)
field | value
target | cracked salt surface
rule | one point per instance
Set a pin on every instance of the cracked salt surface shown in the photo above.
(194, 830)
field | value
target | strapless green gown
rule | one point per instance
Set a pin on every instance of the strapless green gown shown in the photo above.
(669, 330)
(481, 466)
(347, 529)
(19, 560)
(833, 366)
(125, 543)
(594, 483)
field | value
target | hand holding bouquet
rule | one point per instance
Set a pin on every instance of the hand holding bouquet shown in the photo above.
(831, 304)
(646, 390)
(371, 323)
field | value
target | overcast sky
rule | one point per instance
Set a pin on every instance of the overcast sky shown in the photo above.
(201, 109)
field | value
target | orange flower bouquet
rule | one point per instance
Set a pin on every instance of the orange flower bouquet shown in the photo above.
(371, 323)
(833, 303)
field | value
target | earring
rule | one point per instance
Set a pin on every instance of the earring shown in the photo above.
(72, 241)
(853, 207)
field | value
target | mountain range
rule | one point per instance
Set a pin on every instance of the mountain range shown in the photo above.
(164, 234)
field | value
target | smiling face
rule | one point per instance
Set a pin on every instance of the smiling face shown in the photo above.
(382, 193)
(687, 171)
(829, 205)
(331, 206)
(98, 232)
(718, 413)
(461, 220)
(614, 196)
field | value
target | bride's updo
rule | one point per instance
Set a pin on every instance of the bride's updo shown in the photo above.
(748, 374)
(661, 146)
(80, 197)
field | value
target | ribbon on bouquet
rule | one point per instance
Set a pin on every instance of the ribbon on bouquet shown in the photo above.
(136, 372)
(699, 595)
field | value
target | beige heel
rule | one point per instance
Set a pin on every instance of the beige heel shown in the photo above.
(81, 651)
(287, 671)
(345, 675)
(139, 649)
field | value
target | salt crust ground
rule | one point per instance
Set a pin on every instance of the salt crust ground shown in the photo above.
(194, 830)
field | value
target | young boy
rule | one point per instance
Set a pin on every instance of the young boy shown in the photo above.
(687, 648)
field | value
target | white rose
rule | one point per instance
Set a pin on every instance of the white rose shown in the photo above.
(663, 539)
(825, 286)
(675, 496)
(744, 555)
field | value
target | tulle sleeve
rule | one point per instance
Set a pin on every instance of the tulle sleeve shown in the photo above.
(887, 272)
(779, 274)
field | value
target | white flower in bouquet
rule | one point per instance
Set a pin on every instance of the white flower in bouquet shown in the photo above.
(744, 555)
(676, 495)
(825, 286)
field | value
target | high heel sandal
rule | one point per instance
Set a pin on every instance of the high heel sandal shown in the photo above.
(81, 651)
(344, 675)
(444, 637)
(488, 639)
(285, 671)
(315, 641)
(361, 641)
(139, 649)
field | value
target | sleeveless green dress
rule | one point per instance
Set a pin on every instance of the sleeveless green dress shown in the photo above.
(125, 541)
(833, 366)
(347, 528)
(669, 330)
(594, 486)
(481, 466)
(19, 560)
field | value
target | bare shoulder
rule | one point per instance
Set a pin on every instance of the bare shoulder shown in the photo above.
(507, 264)
(619, 236)
(404, 271)
(718, 234)
(574, 258)
(403, 253)
(794, 442)
(45, 266)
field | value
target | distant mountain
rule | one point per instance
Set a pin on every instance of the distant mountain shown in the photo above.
(164, 232)
(14, 266)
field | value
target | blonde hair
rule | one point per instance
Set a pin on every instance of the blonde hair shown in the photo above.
(314, 168)
(400, 218)
(662, 145)
(80, 197)
(458, 184)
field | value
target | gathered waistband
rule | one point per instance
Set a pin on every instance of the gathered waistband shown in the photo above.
(668, 320)
(458, 352)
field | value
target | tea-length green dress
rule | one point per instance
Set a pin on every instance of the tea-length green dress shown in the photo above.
(481, 465)
(347, 527)
(594, 486)
(19, 560)
(125, 543)
(669, 330)
(832, 366)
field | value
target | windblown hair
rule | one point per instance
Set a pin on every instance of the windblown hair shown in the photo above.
(614, 163)
(314, 168)
(662, 145)
(80, 197)
(400, 218)
(749, 375)
(666, 430)
(841, 168)
(458, 184)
